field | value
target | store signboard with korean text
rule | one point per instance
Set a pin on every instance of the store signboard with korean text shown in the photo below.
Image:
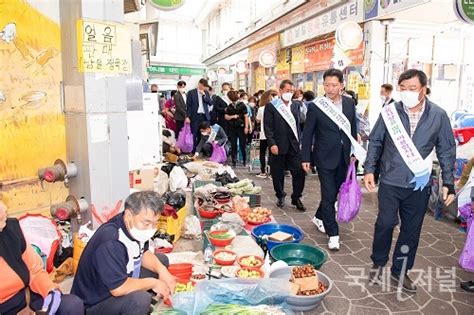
(103, 47)
(318, 55)
(378, 8)
(323, 24)
(169, 70)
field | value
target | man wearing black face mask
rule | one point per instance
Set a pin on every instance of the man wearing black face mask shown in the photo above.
(281, 124)
(116, 268)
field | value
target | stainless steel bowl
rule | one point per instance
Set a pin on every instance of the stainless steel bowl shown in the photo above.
(303, 303)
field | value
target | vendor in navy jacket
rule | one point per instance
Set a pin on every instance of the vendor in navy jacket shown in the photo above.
(403, 139)
(116, 268)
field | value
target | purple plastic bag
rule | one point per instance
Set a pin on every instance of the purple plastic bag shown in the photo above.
(350, 196)
(218, 154)
(185, 139)
(466, 260)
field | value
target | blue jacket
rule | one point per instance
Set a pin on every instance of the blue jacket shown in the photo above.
(433, 131)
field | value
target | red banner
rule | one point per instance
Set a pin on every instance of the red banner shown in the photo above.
(318, 55)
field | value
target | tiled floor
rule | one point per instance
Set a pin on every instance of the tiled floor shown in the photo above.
(436, 262)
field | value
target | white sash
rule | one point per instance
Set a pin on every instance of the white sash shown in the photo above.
(214, 130)
(421, 168)
(225, 99)
(285, 112)
(338, 117)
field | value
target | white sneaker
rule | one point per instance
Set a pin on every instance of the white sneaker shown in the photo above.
(319, 224)
(334, 243)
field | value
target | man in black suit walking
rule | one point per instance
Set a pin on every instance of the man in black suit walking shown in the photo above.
(180, 102)
(281, 125)
(330, 153)
(197, 108)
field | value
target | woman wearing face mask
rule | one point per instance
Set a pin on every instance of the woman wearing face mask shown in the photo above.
(237, 116)
(169, 111)
(266, 98)
(251, 110)
(22, 274)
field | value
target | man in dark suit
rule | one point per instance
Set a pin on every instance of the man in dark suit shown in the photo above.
(281, 122)
(330, 153)
(180, 102)
(220, 104)
(197, 108)
(386, 97)
(386, 94)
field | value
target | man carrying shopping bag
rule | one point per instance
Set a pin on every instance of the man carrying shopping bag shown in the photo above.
(403, 139)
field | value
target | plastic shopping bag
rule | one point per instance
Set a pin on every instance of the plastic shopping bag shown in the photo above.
(218, 154)
(350, 196)
(178, 179)
(185, 139)
(233, 291)
(466, 260)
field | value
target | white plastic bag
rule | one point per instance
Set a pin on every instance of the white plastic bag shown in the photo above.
(161, 183)
(178, 179)
(192, 227)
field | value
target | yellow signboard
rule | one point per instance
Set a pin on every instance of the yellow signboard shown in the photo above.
(297, 59)
(308, 86)
(363, 91)
(103, 47)
(260, 78)
(282, 65)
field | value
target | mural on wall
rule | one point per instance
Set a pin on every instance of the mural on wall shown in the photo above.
(32, 133)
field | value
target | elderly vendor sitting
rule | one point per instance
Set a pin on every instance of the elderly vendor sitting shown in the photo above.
(210, 134)
(116, 268)
(23, 281)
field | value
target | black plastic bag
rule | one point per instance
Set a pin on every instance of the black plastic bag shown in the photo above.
(167, 168)
(175, 199)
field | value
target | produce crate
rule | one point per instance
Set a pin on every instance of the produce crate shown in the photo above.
(173, 227)
(200, 183)
(253, 200)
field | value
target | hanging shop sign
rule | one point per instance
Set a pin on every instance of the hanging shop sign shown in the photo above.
(349, 35)
(241, 66)
(169, 70)
(464, 10)
(166, 5)
(323, 24)
(267, 58)
(103, 47)
(297, 59)
(271, 44)
(318, 55)
(377, 8)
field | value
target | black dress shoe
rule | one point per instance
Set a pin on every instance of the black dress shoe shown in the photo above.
(468, 286)
(405, 282)
(281, 202)
(375, 275)
(299, 205)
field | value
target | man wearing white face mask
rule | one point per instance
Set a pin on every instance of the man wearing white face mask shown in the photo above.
(116, 268)
(281, 125)
(403, 139)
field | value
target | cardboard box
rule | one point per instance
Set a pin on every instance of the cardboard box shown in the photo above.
(142, 179)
